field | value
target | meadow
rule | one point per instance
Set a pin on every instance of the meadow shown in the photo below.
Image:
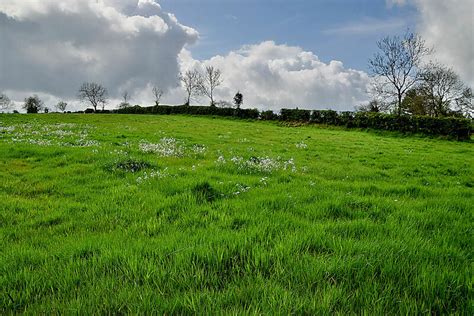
(117, 214)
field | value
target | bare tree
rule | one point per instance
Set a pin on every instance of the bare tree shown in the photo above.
(397, 65)
(211, 80)
(157, 94)
(61, 106)
(126, 97)
(5, 102)
(441, 87)
(192, 82)
(94, 93)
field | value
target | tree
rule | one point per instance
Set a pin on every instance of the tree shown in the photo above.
(464, 104)
(441, 87)
(397, 65)
(61, 106)
(192, 83)
(374, 106)
(439, 93)
(238, 99)
(126, 97)
(211, 80)
(157, 94)
(94, 93)
(33, 104)
(5, 102)
(415, 103)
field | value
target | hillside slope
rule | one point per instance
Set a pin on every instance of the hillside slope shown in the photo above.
(176, 214)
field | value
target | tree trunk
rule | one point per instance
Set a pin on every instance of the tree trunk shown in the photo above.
(399, 104)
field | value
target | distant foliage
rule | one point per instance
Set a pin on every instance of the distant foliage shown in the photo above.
(295, 115)
(5, 102)
(61, 106)
(93, 93)
(33, 104)
(268, 115)
(457, 128)
(238, 99)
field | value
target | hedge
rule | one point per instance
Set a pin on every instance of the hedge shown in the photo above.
(457, 128)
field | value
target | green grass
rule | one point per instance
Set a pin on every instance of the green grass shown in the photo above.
(112, 214)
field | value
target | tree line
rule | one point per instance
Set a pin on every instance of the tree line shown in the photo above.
(402, 84)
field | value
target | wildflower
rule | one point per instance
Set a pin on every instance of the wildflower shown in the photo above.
(301, 145)
(167, 147)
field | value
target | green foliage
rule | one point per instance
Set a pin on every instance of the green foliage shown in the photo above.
(238, 99)
(268, 115)
(368, 223)
(33, 104)
(295, 115)
(452, 127)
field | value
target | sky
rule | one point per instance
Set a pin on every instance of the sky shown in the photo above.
(301, 53)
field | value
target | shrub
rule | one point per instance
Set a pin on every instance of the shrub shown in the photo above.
(247, 113)
(268, 116)
(295, 115)
(457, 128)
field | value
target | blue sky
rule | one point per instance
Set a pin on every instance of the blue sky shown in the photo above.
(345, 30)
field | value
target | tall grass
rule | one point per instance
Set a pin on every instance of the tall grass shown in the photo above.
(91, 221)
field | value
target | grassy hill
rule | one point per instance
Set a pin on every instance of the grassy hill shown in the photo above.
(176, 214)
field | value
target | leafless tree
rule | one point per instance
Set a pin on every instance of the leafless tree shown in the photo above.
(441, 87)
(157, 94)
(61, 106)
(94, 93)
(211, 80)
(397, 65)
(125, 97)
(192, 81)
(5, 102)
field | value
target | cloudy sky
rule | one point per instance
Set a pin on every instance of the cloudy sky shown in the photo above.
(278, 53)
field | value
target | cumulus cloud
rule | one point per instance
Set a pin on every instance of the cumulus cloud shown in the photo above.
(272, 76)
(448, 27)
(52, 46)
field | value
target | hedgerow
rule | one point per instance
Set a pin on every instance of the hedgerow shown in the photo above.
(457, 128)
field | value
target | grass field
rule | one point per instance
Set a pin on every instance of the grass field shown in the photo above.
(113, 214)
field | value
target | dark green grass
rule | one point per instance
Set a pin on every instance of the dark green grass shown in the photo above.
(367, 223)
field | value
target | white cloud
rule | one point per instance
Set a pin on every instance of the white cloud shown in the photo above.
(448, 27)
(52, 46)
(273, 76)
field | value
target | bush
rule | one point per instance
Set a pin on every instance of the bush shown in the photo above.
(295, 115)
(252, 114)
(268, 116)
